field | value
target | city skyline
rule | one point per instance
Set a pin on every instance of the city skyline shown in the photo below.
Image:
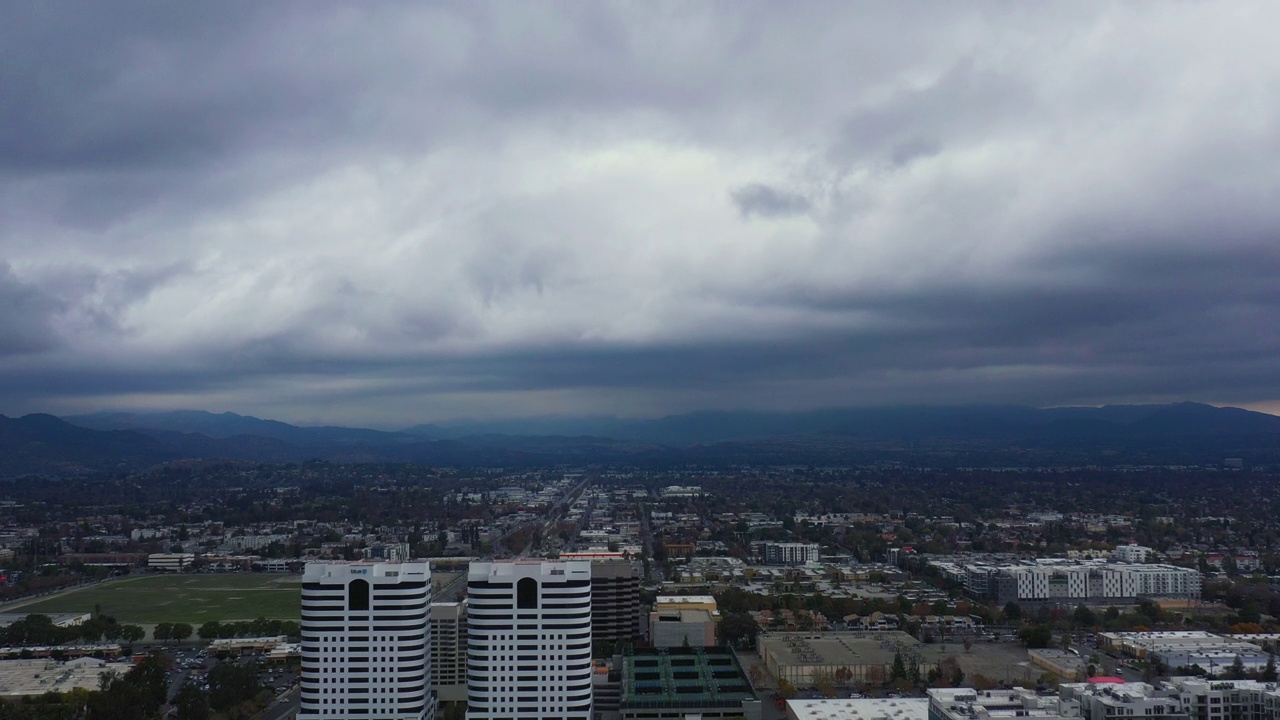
(393, 214)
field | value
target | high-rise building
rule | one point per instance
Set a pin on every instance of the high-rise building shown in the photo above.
(615, 602)
(365, 642)
(449, 651)
(529, 640)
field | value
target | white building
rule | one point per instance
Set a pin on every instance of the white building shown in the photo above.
(1108, 701)
(529, 640)
(1058, 580)
(1133, 553)
(776, 553)
(171, 562)
(365, 642)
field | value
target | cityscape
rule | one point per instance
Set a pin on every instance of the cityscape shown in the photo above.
(657, 360)
(316, 590)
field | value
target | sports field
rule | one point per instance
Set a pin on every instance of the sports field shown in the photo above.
(191, 599)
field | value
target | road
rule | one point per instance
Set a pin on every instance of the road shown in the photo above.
(285, 706)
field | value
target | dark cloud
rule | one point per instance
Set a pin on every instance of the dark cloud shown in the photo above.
(769, 202)
(26, 316)
(401, 212)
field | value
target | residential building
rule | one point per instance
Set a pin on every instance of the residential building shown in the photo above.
(1133, 553)
(529, 640)
(776, 553)
(365, 643)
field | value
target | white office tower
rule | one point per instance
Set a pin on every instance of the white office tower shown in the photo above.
(365, 643)
(529, 640)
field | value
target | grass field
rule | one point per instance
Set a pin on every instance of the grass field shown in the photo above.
(191, 599)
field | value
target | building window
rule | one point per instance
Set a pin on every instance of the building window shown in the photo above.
(358, 595)
(527, 594)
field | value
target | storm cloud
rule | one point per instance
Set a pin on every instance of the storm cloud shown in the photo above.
(404, 212)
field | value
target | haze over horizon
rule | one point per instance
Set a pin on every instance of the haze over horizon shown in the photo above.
(388, 214)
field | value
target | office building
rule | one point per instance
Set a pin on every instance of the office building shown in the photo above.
(365, 643)
(449, 651)
(529, 640)
(615, 602)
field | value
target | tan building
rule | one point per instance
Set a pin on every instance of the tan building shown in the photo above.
(682, 628)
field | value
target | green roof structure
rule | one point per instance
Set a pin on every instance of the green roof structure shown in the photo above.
(694, 678)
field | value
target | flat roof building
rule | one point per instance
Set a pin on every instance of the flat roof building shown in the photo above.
(859, 709)
(682, 682)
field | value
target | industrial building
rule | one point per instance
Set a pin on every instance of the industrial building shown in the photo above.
(1184, 649)
(862, 657)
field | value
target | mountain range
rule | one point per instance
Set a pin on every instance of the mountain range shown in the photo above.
(1182, 433)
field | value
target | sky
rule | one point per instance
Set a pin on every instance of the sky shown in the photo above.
(390, 213)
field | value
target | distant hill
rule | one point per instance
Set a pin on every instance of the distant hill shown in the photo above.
(1183, 433)
(904, 423)
(228, 425)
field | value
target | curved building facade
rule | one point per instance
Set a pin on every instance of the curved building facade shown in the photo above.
(529, 640)
(365, 641)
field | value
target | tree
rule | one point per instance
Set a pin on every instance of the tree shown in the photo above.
(822, 681)
(1083, 617)
(132, 633)
(1269, 672)
(947, 674)
(1012, 611)
(210, 630)
(191, 703)
(899, 669)
(163, 631)
(786, 689)
(181, 631)
(1236, 671)
(231, 684)
(1036, 636)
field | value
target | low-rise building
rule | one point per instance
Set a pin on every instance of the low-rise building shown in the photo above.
(859, 709)
(170, 562)
(684, 682)
(682, 628)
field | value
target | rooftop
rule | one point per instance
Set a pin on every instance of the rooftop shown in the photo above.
(684, 677)
(838, 648)
(861, 709)
(36, 677)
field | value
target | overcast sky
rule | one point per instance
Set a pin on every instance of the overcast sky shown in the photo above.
(389, 213)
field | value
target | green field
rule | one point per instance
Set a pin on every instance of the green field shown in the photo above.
(191, 599)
